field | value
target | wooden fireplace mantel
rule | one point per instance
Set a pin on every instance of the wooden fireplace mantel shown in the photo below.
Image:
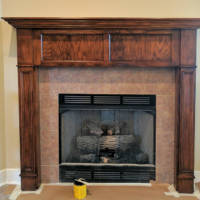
(106, 42)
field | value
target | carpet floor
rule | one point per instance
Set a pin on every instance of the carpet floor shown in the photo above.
(156, 192)
(5, 191)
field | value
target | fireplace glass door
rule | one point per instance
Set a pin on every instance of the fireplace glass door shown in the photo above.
(113, 131)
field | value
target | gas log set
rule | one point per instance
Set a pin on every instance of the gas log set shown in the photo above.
(108, 142)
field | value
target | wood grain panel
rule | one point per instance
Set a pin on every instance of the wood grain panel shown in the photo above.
(186, 134)
(24, 47)
(144, 49)
(72, 47)
(188, 48)
(187, 100)
(29, 128)
(26, 118)
(36, 47)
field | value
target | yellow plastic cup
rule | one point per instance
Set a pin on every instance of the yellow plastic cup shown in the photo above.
(80, 191)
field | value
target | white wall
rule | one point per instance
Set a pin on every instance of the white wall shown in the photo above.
(101, 8)
(2, 132)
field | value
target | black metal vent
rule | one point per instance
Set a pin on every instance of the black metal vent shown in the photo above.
(137, 100)
(106, 99)
(109, 175)
(71, 175)
(136, 174)
(133, 100)
(76, 99)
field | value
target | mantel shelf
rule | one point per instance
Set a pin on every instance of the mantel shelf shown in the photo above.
(104, 23)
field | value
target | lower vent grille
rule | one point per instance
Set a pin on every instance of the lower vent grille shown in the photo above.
(107, 173)
(71, 175)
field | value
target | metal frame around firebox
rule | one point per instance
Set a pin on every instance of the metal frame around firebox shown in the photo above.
(79, 170)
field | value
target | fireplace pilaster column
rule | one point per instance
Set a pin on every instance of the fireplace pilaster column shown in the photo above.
(186, 130)
(29, 129)
(28, 113)
(186, 112)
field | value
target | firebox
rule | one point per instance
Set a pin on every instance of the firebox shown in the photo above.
(107, 138)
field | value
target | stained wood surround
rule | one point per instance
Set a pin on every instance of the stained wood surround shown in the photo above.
(106, 42)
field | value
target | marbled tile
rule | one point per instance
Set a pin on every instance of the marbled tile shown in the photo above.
(50, 174)
(49, 148)
(165, 117)
(165, 148)
(48, 113)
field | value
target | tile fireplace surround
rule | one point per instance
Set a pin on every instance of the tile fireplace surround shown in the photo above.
(106, 56)
(117, 80)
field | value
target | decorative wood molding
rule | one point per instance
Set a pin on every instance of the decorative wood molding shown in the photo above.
(186, 130)
(104, 23)
(29, 127)
(105, 42)
(108, 48)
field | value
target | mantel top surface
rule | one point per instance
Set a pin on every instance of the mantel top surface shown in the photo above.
(104, 23)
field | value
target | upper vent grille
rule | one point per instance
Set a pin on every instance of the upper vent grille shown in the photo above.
(76, 99)
(112, 100)
(132, 100)
(136, 100)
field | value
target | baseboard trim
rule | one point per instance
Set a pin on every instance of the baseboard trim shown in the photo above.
(9, 176)
(2, 177)
(197, 176)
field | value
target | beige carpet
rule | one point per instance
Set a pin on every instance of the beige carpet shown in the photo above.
(5, 191)
(156, 192)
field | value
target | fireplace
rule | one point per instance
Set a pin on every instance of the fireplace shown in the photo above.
(159, 82)
(106, 138)
(104, 45)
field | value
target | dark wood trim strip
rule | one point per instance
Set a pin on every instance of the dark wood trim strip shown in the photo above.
(104, 23)
(177, 124)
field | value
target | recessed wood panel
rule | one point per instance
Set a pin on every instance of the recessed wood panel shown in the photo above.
(186, 133)
(187, 102)
(26, 101)
(29, 128)
(144, 49)
(72, 47)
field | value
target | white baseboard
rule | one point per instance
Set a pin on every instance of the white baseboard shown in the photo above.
(9, 176)
(197, 176)
(2, 177)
